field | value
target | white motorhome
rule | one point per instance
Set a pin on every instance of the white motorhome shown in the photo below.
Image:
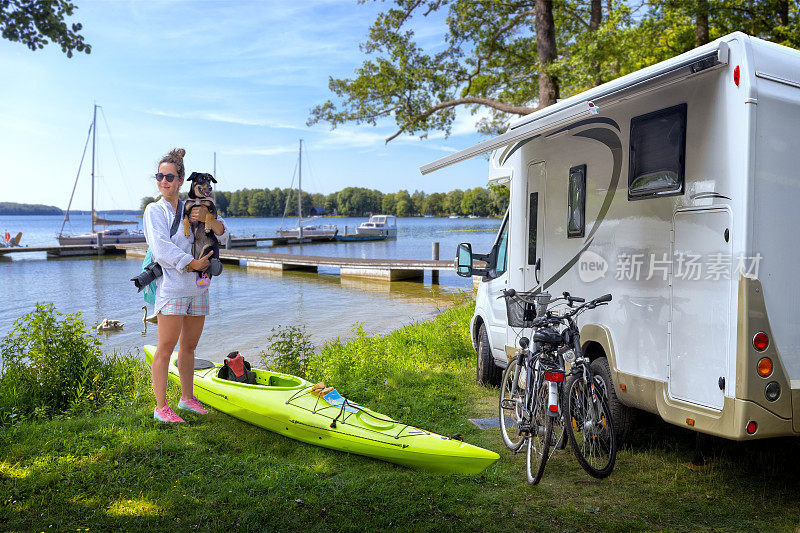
(677, 189)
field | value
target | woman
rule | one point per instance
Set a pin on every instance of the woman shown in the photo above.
(181, 305)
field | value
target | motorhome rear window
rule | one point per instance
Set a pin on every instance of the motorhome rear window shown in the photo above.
(576, 211)
(657, 153)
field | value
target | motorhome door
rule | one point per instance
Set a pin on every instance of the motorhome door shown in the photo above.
(535, 216)
(701, 291)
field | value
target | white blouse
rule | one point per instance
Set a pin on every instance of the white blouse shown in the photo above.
(173, 253)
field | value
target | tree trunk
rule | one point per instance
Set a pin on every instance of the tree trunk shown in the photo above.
(595, 19)
(546, 48)
(595, 14)
(701, 23)
(783, 12)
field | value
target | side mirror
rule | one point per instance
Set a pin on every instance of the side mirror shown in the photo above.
(464, 260)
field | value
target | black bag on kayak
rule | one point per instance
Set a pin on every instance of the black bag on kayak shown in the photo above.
(235, 368)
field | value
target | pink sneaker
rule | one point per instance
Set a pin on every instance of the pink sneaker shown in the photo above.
(165, 414)
(192, 405)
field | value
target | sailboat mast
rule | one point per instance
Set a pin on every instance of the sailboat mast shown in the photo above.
(300, 190)
(94, 144)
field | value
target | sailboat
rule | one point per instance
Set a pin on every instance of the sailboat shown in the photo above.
(108, 236)
(309, 231)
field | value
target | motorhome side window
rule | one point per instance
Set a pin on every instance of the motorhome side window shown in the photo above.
(657, 154)
(533, 218)
(576, 211)
(502, 250)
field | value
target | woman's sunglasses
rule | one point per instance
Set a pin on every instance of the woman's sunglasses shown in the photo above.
(169, 177)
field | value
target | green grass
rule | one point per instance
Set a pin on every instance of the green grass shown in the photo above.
(118, 470)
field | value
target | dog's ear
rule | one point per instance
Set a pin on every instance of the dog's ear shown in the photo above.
(194, 176)
(211, 178)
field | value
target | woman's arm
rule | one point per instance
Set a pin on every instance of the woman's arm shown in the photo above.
(218, 226)
(156, 232)
(221, 231)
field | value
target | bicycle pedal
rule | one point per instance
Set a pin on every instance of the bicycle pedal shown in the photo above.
(508, 403)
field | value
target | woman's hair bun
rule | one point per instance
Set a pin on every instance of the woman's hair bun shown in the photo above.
(175, 156)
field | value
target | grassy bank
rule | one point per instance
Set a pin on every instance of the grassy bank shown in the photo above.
(117, 469)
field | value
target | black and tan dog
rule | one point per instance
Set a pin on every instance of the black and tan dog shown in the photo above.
(204, 238)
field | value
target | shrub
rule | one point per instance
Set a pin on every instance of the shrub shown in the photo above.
(52, 364)
(289, 349)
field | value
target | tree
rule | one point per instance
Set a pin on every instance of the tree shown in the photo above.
(419, 202)
(517, 56)
(389, 203)
(223, 200)
(452, 203)
(477, 201)
(258, 205)
(493, 50)
(147, 200)
(36, 23)
(434, 204)
(499, 195)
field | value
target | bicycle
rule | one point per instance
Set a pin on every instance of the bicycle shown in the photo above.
(532, 385)
(590, 428)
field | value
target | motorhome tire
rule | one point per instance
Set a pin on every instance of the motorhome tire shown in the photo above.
(622, 415)
(488, 373)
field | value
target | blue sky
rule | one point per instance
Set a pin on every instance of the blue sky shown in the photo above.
(238, 78)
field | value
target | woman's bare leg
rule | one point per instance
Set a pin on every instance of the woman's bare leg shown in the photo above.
(190, 335)
(169, 329)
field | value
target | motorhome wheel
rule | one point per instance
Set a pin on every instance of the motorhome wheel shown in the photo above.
(488, 373)
(622, 415)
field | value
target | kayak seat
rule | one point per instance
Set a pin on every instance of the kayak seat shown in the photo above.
(200, 364)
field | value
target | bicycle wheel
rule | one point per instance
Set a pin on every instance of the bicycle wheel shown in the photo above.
(590, 427)
(541, 434)
(512, 395)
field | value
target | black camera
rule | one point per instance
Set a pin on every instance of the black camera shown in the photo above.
(150, 273)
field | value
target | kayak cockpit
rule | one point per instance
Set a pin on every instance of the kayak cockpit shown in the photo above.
(265, 379)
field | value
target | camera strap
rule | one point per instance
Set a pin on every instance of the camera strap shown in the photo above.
(177, 221)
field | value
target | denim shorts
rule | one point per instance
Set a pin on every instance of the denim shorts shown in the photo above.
(187, 305)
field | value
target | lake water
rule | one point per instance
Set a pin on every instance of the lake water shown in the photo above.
(245, 306)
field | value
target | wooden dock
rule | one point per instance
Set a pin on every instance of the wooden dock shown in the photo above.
(349, 267)
(383, 269)
(72, 250)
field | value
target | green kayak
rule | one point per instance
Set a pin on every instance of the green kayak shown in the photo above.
(296, 408)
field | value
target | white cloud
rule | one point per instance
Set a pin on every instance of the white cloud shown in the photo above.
(274, 150)
(222, 117)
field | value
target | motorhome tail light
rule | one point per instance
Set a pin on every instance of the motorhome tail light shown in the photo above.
(772, 391)
(764, 367)
(736, 75)
(751, 427)
(760, 341)
(554, 376)
(690, 421)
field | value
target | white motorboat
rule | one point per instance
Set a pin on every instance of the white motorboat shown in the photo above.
(109, 236)
(379, 226)
(310, 231)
